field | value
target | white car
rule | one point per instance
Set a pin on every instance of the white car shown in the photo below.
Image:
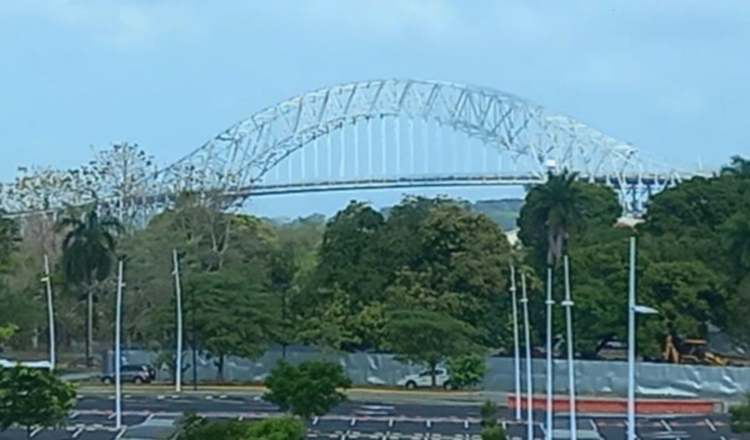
(424, 379)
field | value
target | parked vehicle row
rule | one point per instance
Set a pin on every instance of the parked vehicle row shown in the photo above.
(135, 373)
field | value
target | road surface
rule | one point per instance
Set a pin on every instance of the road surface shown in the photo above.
(93, 420)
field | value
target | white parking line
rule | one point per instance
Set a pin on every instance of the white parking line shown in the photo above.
(593, 425)
(121, 433)
(666, 426)
(711, 425)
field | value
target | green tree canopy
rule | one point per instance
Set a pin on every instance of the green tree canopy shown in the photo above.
(697, 207)
(229, 272)
(559, 210)
(88, 255)
(736, 237)
(32, 397)
(233, 317)
(430, 253)
(429, 338)
(739, 167)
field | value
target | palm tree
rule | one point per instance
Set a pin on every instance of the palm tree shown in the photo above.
(739, 166)
(737, 233)
(88, 250)
(559, 201)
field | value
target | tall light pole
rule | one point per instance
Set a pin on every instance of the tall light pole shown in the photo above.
(529, 382)
(568, 304)
(633, 308)
(516, 350)
(178, 294)
(549, 303)
(118, 360)
(47, 279)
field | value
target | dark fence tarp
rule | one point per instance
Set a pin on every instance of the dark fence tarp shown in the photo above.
(592, 377)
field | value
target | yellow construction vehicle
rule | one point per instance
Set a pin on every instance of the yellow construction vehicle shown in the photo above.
(690, 351)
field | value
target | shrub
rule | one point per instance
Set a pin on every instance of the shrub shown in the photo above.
(467, 371)
(194, 427)
(493, 433)
(740, 416)
(285, 428)
(46, 401)
(310, 389)
(198, 428)
(489, 412)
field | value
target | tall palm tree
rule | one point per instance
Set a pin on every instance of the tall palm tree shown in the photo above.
(559, 200)
(88, 250)
(739, 166)
(737, 233)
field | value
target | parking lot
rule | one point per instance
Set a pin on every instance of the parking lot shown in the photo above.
(94, 420)
(92, 426)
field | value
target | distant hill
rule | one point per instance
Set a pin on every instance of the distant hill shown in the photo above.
(504, 212)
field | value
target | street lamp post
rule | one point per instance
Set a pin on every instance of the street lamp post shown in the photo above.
(118, 360)
(529, 382)
(549, 303)
(194, 337)
(633, 309)
(50, 313)
(178, 294)
(568, 304)
(516, 350)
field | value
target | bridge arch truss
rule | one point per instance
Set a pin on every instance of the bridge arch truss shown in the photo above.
(376, 122)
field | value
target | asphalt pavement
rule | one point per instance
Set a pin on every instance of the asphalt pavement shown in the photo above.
(93, 419)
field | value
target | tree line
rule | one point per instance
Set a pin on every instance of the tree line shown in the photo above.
(428, 280)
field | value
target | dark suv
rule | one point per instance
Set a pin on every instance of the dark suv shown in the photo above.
(132, 373)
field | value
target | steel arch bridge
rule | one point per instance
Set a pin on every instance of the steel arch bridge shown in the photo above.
(400, 134)
(391, 134)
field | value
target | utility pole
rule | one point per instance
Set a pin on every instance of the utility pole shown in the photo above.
(118, 356)
(633, 309)
(50, 313)
(195, 342)
(178, 293)
(568, 304)
(550, 373)
(529, 381)
(631, 342)
(516, 350)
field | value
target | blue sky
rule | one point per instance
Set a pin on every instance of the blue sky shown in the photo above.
(671, 77)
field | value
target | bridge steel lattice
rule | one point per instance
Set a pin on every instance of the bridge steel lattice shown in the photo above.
(400, 134)
(380, 126)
